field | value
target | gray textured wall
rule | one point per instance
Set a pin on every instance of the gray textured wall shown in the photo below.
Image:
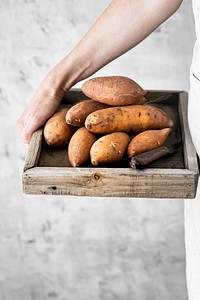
(84, 248)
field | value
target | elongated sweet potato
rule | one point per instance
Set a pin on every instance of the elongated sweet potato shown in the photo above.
(131, 118)
(109, 148)
(79, 146)
(77, 114)
(147, 140)
(56, 131)
(114, 90)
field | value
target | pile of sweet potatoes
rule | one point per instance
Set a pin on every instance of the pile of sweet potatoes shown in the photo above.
(114, 122)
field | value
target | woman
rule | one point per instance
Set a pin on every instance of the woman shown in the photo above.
(92, 53)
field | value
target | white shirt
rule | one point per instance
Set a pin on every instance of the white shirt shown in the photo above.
(192, 207)
(196, 53)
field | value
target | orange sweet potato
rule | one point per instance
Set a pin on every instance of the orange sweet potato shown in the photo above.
(56, 131)
(114, 90)
(147, 140)
(79, 146)
(131, 118)
(77, 114)
(109, 148)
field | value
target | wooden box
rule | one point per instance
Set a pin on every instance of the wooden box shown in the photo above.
(48, 171)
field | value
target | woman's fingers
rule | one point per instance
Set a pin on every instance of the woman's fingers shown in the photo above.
(39, 109)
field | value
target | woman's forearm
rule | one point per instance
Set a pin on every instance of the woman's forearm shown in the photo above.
(123, 25)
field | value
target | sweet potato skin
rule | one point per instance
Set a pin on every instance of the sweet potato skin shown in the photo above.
(147, 140)
(77, 114)
(56, 131)
(131, 118)
(79, 146)
(109, 148)
(114, 90)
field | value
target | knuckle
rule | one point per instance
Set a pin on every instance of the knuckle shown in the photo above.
(37, 120)
(25, 135)
(19, 125)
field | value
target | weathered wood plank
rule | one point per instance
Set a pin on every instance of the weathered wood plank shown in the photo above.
(190, 155)
(104, 182)
(34, 150)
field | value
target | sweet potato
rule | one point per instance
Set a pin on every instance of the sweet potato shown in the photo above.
(131, 118)
(109, 148)
(77, 114)
(147, 140)
(79, 146)
(56, 131)
(114, 90)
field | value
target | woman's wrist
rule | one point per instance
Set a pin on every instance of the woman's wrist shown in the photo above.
(70, 70)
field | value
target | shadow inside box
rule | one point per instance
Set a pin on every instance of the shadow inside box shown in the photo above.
(168, 102)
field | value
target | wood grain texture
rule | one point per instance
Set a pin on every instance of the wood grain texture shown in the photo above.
(153, 183)
(190, 155)
(34, 150)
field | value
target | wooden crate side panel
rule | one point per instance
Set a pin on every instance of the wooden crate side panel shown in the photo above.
(190, 155)
(34, 150)
(110, 183)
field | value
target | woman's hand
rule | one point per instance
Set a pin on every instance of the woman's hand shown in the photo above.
(47, 97)
(43, 104)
